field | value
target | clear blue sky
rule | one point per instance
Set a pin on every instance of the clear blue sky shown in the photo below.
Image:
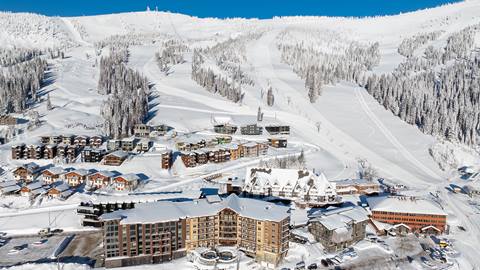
(223, 8)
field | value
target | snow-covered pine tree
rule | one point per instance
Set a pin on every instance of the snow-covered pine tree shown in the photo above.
(270, 97)
(259, 114)
(49, 103)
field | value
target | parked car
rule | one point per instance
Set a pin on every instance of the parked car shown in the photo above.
(39, 243)
(312, 266)
(57, 231)
(300, 265)
(327, 262)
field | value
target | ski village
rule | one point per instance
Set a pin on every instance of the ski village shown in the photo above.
(155, 140)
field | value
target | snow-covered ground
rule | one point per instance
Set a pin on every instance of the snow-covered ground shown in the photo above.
(352, 124)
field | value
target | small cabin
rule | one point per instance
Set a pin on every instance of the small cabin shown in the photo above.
(52, 175)
(126, 182)
(26, 173)
(100, 179)
(76, 177)
(33, 189)
(115, 158)
(61, 191)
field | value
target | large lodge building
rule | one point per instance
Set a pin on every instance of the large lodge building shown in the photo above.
(165, 230)
(417, 215)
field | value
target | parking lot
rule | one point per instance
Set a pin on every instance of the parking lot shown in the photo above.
(32, 249)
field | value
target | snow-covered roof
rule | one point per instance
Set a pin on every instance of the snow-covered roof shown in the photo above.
(340, 217)
(9, 189)
(130, 177)
(402, 204)
(145, 198)
(249, 144)
(81, 172)
(61, 187)
(213, 198)
(170, 211)
(119, 153)
(105, 173)
(35, 185)
(55, 170)
(8, 183)
(31, 167)
(301, 180)
(220, 120)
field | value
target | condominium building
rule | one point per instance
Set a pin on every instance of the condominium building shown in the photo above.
(165, 230)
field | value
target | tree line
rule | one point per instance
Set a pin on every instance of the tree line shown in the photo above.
(20, 82)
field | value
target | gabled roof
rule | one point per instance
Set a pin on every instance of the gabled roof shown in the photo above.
(302, 180)
(81, 172)
(429, 227)
(30, 167)
(105, 173)
(130, 177)
(61, 187)
(55, 170)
